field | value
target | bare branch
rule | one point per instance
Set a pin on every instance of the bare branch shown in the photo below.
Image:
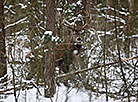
(69, 26)
(95, 67)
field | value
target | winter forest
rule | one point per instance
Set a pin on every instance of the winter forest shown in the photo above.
(68, 50)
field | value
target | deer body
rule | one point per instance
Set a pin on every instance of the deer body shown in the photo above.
(65, 53)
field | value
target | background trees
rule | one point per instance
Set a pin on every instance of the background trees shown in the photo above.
(110, 36)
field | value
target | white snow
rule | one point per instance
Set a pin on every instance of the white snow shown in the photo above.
(17, 22)
(62, 94)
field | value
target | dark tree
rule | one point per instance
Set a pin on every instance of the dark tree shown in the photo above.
(2, 42)
(49, 71)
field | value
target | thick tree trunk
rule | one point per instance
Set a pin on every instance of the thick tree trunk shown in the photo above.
(49, 75)
(50, 13)
(130, 18)
(86, 10)
(3, 69)
(49, 71)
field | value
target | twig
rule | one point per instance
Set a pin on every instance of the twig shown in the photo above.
(36, 88)
(6, 90)
(95, 67)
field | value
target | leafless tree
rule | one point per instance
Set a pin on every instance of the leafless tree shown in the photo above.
(2, 42)
(49, 70)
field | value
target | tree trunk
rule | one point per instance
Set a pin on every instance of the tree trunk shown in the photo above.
(49, 70)
(86, 10)
(130, 18)
(50, 13)
(3, 68)
(111, 3)
(49, 75)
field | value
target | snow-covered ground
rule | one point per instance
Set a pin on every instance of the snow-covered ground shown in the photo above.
(62, 94)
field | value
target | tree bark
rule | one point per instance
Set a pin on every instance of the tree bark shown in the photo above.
(49, 70)
(50, 13)
(3, 68)
(111, 3)
(49, 75)
(130, 18)
(86, 10)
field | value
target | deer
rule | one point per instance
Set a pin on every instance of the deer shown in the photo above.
(67, 50)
